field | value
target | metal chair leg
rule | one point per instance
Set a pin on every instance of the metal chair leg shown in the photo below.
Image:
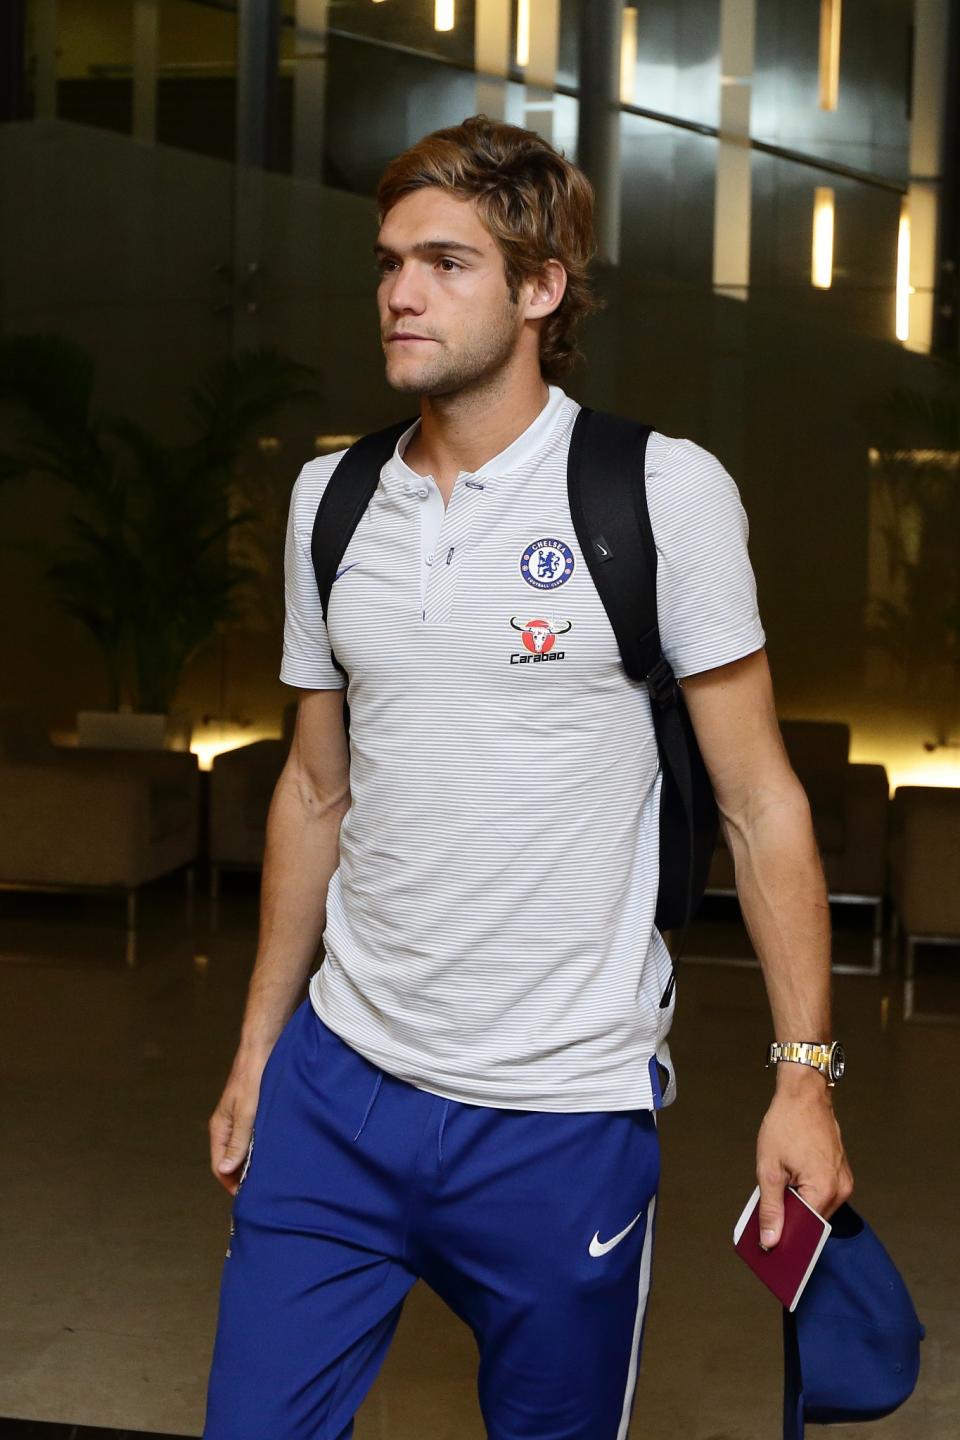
(877, 962)
(131, 945)
(190, 886)
(909, 974)
(894, 941)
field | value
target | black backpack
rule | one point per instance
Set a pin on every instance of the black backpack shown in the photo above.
(608, 504)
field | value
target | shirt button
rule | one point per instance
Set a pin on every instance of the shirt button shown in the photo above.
(429, 559)
(423, 492)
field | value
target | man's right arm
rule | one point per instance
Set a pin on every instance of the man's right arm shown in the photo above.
(302, 852)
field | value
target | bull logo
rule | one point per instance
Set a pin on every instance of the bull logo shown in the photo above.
(538, 636)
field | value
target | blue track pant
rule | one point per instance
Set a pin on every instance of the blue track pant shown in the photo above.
(535, 1227)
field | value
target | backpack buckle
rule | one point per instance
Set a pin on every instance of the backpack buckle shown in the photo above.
(662, 683)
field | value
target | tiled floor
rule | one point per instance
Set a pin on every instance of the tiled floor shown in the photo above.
(41, 1430)
(112, 1231)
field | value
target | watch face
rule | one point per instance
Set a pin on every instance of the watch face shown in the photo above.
(838, 1061)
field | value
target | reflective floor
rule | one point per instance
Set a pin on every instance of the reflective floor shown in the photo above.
(112, 1231)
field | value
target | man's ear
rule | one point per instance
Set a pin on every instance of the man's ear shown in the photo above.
(546, 290)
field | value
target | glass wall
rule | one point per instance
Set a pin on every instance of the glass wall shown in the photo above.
(137, 236)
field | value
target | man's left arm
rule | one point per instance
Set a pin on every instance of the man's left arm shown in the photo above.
(765, 818)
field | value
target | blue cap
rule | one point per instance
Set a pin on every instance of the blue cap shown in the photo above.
(852, 1345)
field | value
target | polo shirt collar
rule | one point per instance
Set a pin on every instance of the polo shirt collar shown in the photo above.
(518, 453)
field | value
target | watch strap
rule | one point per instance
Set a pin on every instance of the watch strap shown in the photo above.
(815, 1053)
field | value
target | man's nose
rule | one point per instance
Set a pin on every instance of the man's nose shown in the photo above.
(405, 291)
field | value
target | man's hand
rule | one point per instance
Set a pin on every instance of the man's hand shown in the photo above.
(231, 1123)
(799, 1144)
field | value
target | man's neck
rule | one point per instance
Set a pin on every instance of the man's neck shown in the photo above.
(464, 431)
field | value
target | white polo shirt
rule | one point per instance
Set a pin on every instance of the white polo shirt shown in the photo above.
(490, 928)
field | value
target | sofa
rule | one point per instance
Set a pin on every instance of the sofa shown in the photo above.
(924, 877)
(97, 820)
(242, 782)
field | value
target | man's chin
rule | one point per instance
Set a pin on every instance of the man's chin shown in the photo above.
(419, 382)
(404, 384)
(403, 376)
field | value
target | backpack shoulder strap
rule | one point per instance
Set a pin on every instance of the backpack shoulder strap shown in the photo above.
(348, 493)
(606, 485)
(608, 504)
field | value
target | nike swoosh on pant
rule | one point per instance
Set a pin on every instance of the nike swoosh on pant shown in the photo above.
(600, 1247)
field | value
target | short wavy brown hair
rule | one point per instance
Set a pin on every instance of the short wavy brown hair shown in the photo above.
(535, 203)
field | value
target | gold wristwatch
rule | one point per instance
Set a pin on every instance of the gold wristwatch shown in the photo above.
(829, 1058)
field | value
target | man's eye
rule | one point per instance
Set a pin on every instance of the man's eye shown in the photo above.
(445, 260)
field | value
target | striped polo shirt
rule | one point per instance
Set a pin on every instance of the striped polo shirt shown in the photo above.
(490, 927)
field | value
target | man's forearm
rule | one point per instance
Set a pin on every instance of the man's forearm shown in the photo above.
(783, 897)
(302, 852)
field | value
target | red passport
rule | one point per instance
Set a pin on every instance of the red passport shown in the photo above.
(788, 1266)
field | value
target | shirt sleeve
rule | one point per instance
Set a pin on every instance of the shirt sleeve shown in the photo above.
(706, 590)
(307, 660)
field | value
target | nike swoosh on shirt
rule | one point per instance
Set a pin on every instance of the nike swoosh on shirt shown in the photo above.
(600, 1247)
(344, 570)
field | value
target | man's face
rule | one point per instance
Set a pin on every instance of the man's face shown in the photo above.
(442, 280)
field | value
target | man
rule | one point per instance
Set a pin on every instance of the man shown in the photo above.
(468, 1094)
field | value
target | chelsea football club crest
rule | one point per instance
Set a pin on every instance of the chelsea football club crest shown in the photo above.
(545, 564)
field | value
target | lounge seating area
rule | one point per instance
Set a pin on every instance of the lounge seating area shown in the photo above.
(93, 820)
(114, 820)
(850, 806)
(242, 782)
(924, 878)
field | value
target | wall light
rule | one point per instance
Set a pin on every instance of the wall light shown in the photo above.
(326, 444)
(899, 757)
(821, 263)
(444, 15)
(231, 737)
(628, 54)
(945, 459)
(830, 15)
(904, 288)
(523, 33)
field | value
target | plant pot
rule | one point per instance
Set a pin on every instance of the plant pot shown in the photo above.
(133, 730)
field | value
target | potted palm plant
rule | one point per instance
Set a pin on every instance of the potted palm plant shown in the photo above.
(148, 567)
